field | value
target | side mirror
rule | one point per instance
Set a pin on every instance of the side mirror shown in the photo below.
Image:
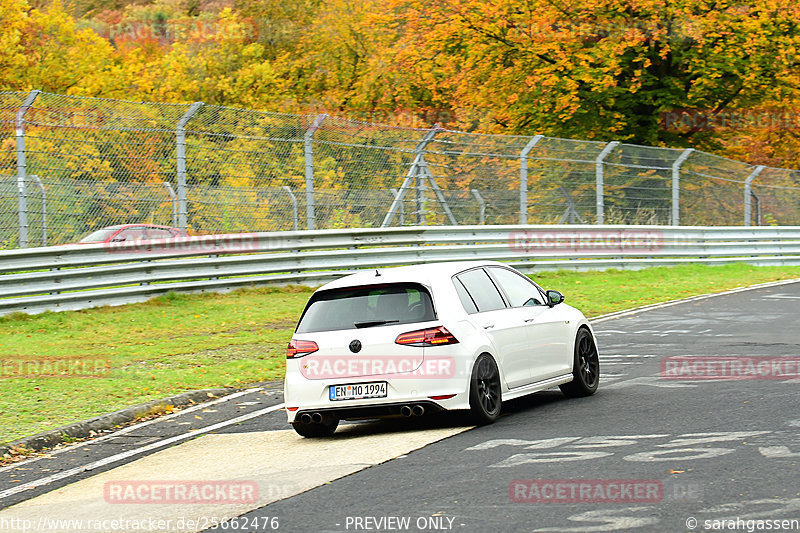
(554, 298)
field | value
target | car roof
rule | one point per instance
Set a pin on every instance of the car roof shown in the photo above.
(424, 273)
(123, 226)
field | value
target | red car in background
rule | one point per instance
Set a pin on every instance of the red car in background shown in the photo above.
(133, 232)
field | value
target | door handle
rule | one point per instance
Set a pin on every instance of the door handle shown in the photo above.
(530, 319)
(488, 326)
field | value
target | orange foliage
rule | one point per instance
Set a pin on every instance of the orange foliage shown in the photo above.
(595, 69)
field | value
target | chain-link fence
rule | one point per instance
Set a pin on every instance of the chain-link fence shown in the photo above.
(71, 165)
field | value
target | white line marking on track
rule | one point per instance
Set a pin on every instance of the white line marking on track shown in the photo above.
(281, 463)
(136, 451)
(650, 381)
(653, 307)
(623, 355)
(134, 427)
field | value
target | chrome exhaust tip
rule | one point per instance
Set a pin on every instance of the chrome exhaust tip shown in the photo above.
(418, 410)
(305, 418)
(316, 418)
(406, 411)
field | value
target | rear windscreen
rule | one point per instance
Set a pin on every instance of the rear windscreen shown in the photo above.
(100, 235)
(366, 307)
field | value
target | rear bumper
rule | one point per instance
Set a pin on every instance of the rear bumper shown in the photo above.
(371, 411)
(311, 395)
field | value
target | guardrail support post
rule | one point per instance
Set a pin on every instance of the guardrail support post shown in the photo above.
(308, 137)
(523, 178)
(748, 193)
(22, 199)
(293, 198)
(676, 186)
(413, 172)
(180, 146)
(599, 180)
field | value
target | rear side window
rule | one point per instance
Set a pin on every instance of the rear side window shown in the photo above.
(482, 290)
(520, 291)
(100, 235)
(159, 233)
(131, 234)
(463, 295)
(365, 307)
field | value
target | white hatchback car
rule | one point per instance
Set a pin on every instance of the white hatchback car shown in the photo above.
(426, 338)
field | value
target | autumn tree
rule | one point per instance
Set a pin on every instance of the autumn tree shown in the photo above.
(598, 68)
(44, 49)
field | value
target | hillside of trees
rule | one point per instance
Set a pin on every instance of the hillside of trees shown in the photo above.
(715, 75)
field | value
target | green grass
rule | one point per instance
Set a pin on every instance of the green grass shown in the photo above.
(178, 342)
(598, 293)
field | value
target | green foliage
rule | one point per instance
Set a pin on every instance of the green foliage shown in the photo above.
(170, 297)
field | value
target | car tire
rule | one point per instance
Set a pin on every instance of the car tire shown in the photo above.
(485, 395)
(585, 368)
(326, 428)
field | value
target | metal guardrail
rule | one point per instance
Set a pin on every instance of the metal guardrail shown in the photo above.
(33, 280)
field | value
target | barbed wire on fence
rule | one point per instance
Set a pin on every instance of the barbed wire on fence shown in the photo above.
(70, 165)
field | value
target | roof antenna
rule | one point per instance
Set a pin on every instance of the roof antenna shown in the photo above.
(377, 274)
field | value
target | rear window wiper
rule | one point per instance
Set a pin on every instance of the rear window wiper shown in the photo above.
(371, 323)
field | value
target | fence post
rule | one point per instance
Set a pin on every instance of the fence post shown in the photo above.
(420, 203)
(174, 200)
(413, 172)
(22, 200)
(478, 197)
(523, 178)
(309, 156)
(43, 194)
(748, 192)
(676, 186)
(401, 211)
(599, 180)
(180, 146)
(293, 199)
(758, 207)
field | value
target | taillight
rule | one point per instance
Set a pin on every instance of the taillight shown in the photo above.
(427, 337)
(300, 348)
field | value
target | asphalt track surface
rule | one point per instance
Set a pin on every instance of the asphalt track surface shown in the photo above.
(704, 455)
